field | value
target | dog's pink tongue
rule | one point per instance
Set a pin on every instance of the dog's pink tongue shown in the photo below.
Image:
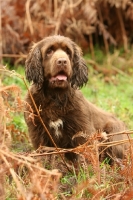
(61, 77)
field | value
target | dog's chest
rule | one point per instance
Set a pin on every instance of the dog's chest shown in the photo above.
(56, 121)
(63, 122)
(63, 117)
(57, 127)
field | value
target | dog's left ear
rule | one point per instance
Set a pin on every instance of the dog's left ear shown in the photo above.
(80, 69)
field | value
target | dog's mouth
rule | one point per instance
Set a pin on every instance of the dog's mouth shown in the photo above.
(59, 77)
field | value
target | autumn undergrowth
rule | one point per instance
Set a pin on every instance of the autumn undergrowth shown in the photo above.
(28, 175)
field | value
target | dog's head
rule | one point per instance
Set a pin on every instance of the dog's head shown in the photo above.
(57, 61)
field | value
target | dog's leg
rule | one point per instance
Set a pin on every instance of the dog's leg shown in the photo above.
(114, 127)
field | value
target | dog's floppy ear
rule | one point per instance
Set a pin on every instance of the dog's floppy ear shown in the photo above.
(33, 66)
(80, 69)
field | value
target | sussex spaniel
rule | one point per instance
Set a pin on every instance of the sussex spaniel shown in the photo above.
(57, 70)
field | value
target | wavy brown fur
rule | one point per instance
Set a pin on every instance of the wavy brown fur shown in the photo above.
(57, 69)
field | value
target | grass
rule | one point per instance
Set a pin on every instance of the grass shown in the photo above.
(110, 91)
(115, 98)
(113, 93)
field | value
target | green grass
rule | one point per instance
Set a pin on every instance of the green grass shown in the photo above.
(10, 79)
(115, 97)
(113, 93)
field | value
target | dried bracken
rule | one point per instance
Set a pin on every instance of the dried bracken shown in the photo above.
(87, 22)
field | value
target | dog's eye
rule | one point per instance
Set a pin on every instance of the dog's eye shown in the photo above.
(68, 52)
(49, 51)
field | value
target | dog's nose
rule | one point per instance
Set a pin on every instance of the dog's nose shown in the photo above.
(61, 62)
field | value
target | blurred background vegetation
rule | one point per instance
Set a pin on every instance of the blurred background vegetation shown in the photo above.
(107, 24)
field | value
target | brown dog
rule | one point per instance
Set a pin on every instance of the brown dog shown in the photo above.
(57, 69)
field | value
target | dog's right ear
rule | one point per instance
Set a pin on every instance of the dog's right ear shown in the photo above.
(33, 66)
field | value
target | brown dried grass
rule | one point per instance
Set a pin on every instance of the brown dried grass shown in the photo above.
(87, 22)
